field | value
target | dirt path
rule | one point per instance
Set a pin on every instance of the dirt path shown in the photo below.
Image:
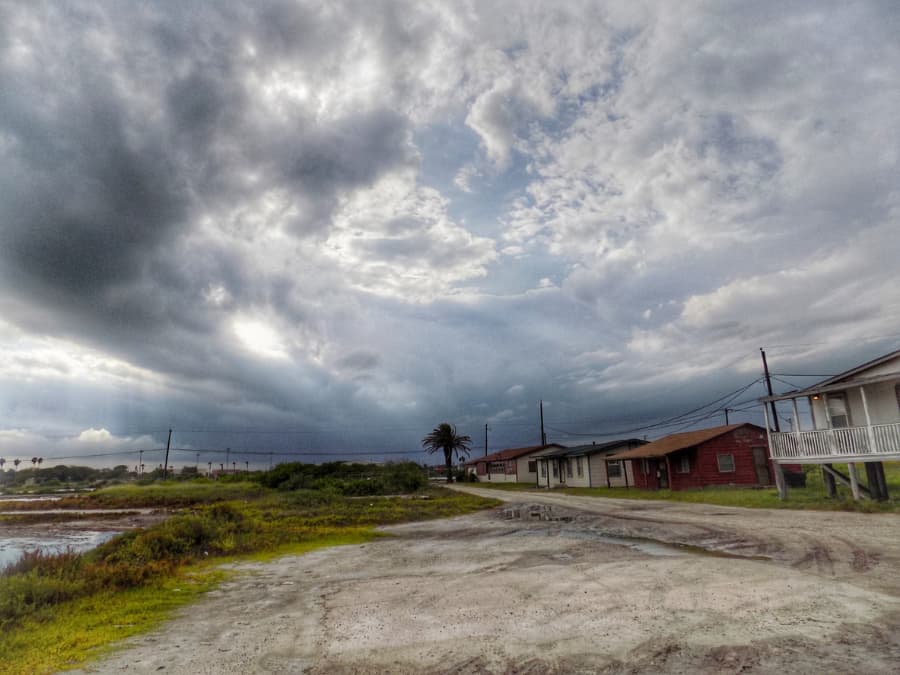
(524, 589)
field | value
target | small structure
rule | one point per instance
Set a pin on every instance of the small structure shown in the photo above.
(855, 418)
(735, 454)
(586, 465)
(513, 465)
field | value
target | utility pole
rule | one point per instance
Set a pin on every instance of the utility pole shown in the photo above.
(140, 462)
(543, 435)
(166, 465)
(485, 438)
(227, 453)
(779, 474)
(769, 389)
(726, 411)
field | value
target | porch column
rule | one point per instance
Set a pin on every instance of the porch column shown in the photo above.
(779, 474)
(828, 478)
(797, 435)
(874, 470)
(870, 432)
(854, 481)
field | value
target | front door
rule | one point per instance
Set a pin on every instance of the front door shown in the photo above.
(662, 474)
(761, 463)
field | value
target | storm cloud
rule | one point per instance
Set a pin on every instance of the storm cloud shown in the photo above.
(342, 223)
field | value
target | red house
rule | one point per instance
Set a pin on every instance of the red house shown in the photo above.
(736, 454)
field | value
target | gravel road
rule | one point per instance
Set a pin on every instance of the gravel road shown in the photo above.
(551, 583)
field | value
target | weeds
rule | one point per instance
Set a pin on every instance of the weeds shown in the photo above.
(42, 593)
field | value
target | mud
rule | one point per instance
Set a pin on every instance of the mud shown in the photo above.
(507, 592)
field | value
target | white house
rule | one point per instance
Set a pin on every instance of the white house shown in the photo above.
(513, 465)
(586, 465)
(854, 418)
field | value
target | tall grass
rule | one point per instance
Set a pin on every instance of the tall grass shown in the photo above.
(34, 587)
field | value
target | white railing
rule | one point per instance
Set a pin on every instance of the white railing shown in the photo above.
(848, 444)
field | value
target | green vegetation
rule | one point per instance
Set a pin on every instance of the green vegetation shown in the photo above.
(78, 603)
(812, 496)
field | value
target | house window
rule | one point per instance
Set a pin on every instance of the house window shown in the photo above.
(897, 392)
(568, 468)
(578, 467)
(726, 463)
(544, 469)
(684, 465)
(837, 410)
(555, 468)
(532, 466)
(614, 469)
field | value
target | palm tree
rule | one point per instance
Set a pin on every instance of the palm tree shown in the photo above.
(16, 462)
(40, 461)
(34, 461)
(444, 437)
(2, 462)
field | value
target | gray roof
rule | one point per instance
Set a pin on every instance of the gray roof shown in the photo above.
(592, 448)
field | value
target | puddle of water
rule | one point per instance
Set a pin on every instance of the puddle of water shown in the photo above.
(647, 546)
(12, 548)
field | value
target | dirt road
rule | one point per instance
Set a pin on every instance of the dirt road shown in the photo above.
(553, 583)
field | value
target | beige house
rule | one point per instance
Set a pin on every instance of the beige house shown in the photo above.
(513, 465)
(586, 465)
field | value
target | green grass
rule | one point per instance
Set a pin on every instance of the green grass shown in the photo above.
(810, 497)
(60, 610)
(85, 629)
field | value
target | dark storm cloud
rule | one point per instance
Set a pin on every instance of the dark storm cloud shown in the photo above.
(243, 215)
(109, 159)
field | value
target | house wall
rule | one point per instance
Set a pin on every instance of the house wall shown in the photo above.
(598, 472)
(550, 480)
(523, 475)
(881, 397)
(575, 480)
(644, 474)
(886, 368)
(704, 469)
(704, 462)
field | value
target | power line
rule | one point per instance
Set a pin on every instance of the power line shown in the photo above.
(677, 419)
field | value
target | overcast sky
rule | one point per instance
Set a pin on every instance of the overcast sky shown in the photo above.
(345, 223)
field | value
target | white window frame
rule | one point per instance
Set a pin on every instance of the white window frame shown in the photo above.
(684, 464)
(614, 464)
(720, 457)
(579, 467)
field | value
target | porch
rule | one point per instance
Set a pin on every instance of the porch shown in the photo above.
(875, 443)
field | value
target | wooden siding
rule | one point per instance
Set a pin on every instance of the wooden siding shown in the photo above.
(704, 463)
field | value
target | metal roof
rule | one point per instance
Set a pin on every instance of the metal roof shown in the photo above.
(675, 442)
(511, 453)
(837, 382)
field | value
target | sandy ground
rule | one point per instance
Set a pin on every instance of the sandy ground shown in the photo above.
(524, 589)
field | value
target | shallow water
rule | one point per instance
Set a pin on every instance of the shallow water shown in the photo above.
(12, 548)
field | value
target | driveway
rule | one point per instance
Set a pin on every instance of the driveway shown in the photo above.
(551, 583)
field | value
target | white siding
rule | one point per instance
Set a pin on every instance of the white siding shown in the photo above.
(575, 480)
(882, 400)
(524, 475)
(887, 368)
(598, 473)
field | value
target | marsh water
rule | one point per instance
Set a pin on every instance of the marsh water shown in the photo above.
(12, 547)
(14, 544)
